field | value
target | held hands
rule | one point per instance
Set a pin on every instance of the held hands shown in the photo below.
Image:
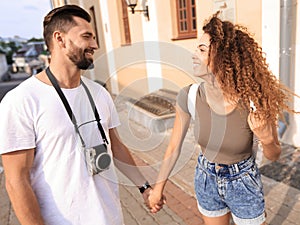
(154, 200)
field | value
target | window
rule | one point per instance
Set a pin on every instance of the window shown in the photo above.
(186, 19)
(92, 12)
(125, 20)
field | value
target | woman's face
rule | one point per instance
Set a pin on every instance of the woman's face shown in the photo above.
(200, 57)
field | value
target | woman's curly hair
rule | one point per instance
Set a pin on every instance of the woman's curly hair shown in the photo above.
(240, 67)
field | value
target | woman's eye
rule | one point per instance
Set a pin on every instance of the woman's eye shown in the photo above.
(201, 48)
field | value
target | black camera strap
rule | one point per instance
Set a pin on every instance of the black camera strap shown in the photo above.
(69, 110)
(94, 108)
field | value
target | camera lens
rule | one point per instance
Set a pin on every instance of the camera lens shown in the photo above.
(103, 161)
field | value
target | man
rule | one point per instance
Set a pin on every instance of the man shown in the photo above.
(44, 146)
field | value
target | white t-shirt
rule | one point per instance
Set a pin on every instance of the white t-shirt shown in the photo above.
(33, 116)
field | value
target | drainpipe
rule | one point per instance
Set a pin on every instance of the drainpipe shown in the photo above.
(287, 37)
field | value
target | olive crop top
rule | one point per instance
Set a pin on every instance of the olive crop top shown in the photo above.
(224, 139)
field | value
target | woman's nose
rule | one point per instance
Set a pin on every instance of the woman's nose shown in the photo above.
(195, 55)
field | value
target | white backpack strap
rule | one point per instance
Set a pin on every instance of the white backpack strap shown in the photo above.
(192, 99)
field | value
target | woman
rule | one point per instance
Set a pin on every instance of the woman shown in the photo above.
(234, 73)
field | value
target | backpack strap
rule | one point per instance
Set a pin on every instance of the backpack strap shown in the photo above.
(192, 94)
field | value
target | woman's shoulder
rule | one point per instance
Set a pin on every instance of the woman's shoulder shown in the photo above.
(183, 92)
(183, 95)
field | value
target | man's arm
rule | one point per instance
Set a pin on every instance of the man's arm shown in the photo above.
(17, 166)
(125, 163)
(123, 159)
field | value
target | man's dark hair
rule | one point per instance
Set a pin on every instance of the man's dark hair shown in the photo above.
(62, 19)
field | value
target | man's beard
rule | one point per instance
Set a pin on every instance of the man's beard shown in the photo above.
(77, 56)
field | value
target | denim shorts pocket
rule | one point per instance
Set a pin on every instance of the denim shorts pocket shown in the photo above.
(253, 177)
(200, 176)
(246, 201)
(252, 181)
(200, 180)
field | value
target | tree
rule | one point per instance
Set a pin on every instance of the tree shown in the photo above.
(9, 48)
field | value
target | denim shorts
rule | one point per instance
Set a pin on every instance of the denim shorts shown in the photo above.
(235, 188)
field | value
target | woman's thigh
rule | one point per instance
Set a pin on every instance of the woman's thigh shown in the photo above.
(221, 220)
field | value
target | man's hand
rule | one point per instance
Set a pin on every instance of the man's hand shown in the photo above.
(156, 200)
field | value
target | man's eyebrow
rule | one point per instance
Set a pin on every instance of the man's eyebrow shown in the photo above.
(88, 33)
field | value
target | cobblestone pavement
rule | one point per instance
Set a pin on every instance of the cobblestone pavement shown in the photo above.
(282, 200)
(286, 169)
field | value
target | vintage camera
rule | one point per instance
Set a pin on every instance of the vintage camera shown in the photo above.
(97, 159)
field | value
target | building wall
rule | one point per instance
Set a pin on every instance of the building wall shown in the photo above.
(155, 60)
(292, 134)
(153, 57)
(296, 130)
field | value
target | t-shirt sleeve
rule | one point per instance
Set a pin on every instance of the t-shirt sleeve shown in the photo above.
(115, 121)
(114, 117)
(16, 130)
(182, 97)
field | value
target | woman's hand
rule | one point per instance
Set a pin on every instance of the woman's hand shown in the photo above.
(262, 129)
(156, 200)
(266, 132)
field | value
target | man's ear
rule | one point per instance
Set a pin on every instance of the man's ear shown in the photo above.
(59, 39)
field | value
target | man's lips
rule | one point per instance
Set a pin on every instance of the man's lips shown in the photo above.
(89, 52)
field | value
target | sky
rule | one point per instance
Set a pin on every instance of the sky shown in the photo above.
(23, 18)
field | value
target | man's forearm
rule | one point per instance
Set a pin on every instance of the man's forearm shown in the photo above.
(24, 202)
(125, 163)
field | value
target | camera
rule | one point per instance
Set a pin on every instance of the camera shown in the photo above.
(97, 159)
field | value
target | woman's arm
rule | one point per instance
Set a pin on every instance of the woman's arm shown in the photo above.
(271, 146)
(181, 124)
(267, 134)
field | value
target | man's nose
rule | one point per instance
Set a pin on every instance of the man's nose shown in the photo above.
(94, 44)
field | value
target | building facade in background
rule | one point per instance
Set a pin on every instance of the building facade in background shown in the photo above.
(3, 64)
(138, 55)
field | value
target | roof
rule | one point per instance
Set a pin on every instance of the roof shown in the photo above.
(33, 49)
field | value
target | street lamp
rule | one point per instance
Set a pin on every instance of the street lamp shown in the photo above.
(132, 4)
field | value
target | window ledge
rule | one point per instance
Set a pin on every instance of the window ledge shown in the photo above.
(184, 37)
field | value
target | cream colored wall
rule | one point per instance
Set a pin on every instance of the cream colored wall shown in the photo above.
(296, 135)
(249, 14)
(167, 30)
(292, 134)
(133, 81)
(127, 74)
(166, 17)
(114, 12)
(173, 77)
